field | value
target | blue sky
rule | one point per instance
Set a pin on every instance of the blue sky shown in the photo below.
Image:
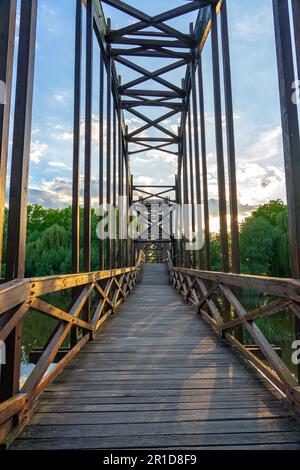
(256, 105)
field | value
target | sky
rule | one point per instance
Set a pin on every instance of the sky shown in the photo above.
(259, 154)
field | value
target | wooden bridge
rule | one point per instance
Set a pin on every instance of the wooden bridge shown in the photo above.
(156, 376)
(132, 363)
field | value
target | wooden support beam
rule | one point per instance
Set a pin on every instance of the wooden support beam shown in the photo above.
(158, 52)
(197, 150)
(108, 153)
(76, 158)
(120, 183)
(136, 41)
(290, 127)
(17, 219)
(204, 165)
(147, 75)
(7, 35)
(127, 193)
(152, 123)
(185, 183)
(192, 181)
(76, 140)
(126, 104)
(296, 18)
(114, 182)
(219, 141)
(235, 246)
(88, 149)
(88, 138)
(161, 93)
(101, 152)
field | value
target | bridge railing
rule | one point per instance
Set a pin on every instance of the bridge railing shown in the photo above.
(95, 297)
(216, 296)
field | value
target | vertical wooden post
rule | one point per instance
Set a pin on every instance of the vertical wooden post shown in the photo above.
(175, 228)
(296, 18)
(180, 189)
(101, 153)
(88, 138)
(108, 153)
(114, 176)
(204, 165)
(7, 42)
(197, 150)
(219, 141)
(185, 185)
(76, 139)
(76, 157)
(235, 246)
(88, 148)
(127, 189)
(290, 128)
(192, 191)
(18, 199)
(120, 181)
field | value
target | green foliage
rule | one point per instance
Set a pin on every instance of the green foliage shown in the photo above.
(49, 238)
(215, 251)
(264, 241)
(257, 244)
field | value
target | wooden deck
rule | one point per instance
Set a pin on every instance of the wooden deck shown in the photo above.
(158, 377)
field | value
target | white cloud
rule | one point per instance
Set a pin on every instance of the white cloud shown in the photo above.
(61, 96)
(250, 27)
(38, 151)
(267, 146)
(258, 184)
(58, 165)
(144, 180)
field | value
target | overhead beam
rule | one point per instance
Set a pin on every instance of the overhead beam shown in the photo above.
(150, 42)
(126, 104)
(144, 52)
(147, 75)
(157, 21)
(152, 123)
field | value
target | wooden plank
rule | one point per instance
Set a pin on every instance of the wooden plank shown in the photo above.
(139, 429)
(282, 441)
(135, 417)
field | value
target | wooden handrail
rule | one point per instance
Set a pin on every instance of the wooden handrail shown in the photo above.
(111, 289)
(212, 292)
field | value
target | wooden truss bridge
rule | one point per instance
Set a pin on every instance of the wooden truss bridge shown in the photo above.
(131, 363)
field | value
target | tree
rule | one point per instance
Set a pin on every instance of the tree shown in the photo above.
(257, 245)
(264, 241)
